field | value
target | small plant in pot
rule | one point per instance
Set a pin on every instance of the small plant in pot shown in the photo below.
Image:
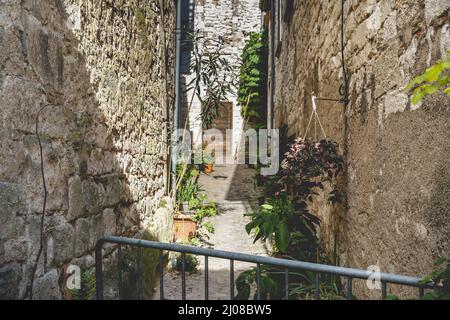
(185, 228)
(208, 161)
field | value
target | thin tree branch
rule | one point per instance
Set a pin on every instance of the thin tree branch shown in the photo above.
(44, 205)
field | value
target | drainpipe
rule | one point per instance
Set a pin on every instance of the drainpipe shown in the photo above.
(176, 113)
(164, 100)
(271, 106)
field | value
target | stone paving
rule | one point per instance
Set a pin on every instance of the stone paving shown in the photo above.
(233, 188)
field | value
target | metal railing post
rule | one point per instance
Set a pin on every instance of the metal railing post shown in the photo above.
(98, 271)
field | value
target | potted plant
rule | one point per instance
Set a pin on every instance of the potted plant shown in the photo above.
(208, 160)
(184, 227)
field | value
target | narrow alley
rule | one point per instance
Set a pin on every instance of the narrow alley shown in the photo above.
(232, 187)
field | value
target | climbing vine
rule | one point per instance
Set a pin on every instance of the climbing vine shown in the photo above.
(252, 91)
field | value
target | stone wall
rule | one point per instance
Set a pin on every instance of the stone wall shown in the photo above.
(98, 65)
(397, 180)
(232, 20)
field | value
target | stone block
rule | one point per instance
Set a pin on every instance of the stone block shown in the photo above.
(97, 229)
(61, 243)
(76, 206)
(114, 191)
(90, 196)
(83, 198)
(16, 250)
(12, 204)
(47, 286)
(435, 8)
(82, 236)
(110, 221)
(10, 276)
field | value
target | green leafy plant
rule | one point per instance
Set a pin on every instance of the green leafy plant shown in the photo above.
(212, 81)
(433, 79)
(303, 286)
(285, 217)
(213, 78)
(252, 93)
(87, 285)
(189, 187)
(279, 221)
(441, 278)
(191, 263)
(246, 279)
(208, 158)
(202, 210)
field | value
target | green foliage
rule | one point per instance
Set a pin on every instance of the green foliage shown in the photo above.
(244, 281)
(208, 158)
(433, 79)
(149, 266)
(213, 76)
(303, 286)
(202, 211)
(286, 220)
(279, 221)
(441, 278)
(191, 263)
(87, 285)
(190, 191)
(252, 91)
(189, 186)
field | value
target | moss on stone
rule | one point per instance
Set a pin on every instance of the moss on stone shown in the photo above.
(149, 267)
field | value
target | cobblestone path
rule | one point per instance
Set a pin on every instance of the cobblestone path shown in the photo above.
(233, 188)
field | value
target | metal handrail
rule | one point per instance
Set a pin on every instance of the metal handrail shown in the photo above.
(349, 273)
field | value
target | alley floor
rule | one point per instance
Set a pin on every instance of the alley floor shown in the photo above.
(232, 187)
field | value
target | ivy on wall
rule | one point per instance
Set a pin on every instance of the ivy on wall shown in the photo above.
(252, 93)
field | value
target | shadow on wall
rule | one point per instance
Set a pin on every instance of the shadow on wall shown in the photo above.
(103, 161)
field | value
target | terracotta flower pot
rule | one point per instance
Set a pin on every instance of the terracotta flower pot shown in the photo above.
(184, 228)
(208, 168)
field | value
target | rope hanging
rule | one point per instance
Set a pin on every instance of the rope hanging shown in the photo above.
(315, 116)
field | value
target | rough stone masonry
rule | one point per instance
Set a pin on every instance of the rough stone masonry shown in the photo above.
(99, 67)
(397, 183)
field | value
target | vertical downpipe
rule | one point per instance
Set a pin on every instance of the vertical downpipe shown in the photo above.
(98, 271)
(271, 80)
(164, 100)
(177, 86)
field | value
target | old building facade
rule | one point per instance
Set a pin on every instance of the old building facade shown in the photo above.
(233, 21)
(397, 178)
(102, 73)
